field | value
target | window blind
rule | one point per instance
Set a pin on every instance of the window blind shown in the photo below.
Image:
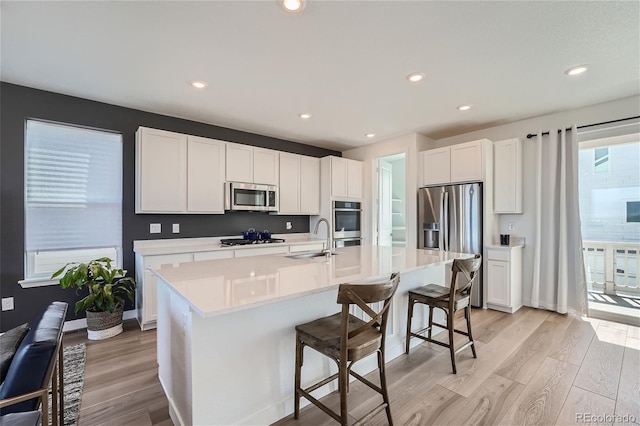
(73, 193)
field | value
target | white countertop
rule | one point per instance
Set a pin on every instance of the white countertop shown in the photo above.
(216, 287)
(193, 245)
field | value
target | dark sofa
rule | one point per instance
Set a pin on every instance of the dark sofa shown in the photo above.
(34, 366)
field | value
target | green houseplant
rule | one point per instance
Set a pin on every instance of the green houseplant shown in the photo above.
(107, 288)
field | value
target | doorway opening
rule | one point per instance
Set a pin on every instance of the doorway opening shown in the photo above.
(609, 190)
(391, 223)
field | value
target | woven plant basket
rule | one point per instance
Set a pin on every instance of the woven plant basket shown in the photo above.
(102, 325)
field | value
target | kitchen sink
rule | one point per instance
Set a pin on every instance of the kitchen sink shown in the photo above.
(308, 255)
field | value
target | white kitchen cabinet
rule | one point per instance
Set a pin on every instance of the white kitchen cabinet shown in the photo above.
(176, 173)
(265, 166)
(354, 178)
(507, 174)
(261, 250)
(436, 166)
(251, 164)
(212, 255)
(504, 278)
(299, 184)
(205, 175)
(239, 163)
(289, 184)
(465, 162)
(147, 285)
(161, 171)
(345, 177)
(309, 185)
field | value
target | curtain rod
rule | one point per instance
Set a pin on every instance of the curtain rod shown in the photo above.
(531, 135)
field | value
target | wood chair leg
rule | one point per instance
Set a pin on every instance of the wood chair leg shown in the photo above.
(343, 381)
(467, 314)
(452, 349)
(383, 386)
(299, 360)
(409, 317)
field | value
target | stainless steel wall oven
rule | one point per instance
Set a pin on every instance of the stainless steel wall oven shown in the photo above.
(347, 220)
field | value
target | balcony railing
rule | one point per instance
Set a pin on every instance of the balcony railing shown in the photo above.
(612, 266)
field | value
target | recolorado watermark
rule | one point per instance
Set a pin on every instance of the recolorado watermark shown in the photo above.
(605, 418)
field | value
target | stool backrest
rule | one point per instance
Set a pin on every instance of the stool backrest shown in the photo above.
(361, 295)
(468, 269)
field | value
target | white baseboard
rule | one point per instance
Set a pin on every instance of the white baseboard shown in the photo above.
(82, 323)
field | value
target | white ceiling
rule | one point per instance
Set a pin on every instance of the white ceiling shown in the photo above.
(343, 62)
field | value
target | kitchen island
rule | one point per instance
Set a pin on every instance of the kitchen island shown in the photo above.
(226, 338)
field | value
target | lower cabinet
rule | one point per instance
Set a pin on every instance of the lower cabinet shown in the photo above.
(147, 285)
(504, 278)
(261, 250)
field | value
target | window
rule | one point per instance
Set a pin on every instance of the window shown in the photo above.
(73, 196)
(601, 159)
(633, 211)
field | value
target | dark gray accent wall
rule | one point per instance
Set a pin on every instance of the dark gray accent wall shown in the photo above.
(18, 103)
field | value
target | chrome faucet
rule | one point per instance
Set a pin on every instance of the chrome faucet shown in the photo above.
(327, 249)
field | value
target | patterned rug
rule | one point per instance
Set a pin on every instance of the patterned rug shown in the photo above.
(74, 359)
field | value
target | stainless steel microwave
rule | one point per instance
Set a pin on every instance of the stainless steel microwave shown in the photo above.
(251, 197)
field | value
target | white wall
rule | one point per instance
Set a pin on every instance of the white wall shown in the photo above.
(525, 223)
(409, 144)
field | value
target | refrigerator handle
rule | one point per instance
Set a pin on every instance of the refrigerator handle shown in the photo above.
(441, 226)
(445, 219)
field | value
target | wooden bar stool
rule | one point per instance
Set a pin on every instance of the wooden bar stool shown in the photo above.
(450, 300)
(346, 339)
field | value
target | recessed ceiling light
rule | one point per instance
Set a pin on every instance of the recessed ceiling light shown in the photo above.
(370, 135)
(199, 84)
(415, 77)
(292, 5)
(464, 107)
(304, 115)
(577, 70)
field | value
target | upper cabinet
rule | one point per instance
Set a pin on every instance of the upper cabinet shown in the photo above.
(457, 163)
(299, 184)
(467, 162)
(345, 176)
(251, 164)
(176, 173)
(205, 175)
(436, 167)
(507, 174)
(161, 171)
(309, 185)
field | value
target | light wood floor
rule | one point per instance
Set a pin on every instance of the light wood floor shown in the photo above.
(533, 367)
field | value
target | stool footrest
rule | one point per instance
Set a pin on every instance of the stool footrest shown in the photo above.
(321, 383)
(465, 346)
(429, 340)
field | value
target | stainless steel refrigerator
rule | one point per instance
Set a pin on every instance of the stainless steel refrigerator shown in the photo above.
(450, 219)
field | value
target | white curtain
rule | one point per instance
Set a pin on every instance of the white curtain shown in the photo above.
(558, 271)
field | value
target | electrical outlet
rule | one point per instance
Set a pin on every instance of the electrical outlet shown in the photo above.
(289, 225)
(511, 226)
(176, 228)
(155, 228)
(7, 304)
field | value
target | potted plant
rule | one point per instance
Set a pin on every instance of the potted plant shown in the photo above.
(105, 302)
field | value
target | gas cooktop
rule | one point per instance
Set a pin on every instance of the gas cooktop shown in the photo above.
(241, 242)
